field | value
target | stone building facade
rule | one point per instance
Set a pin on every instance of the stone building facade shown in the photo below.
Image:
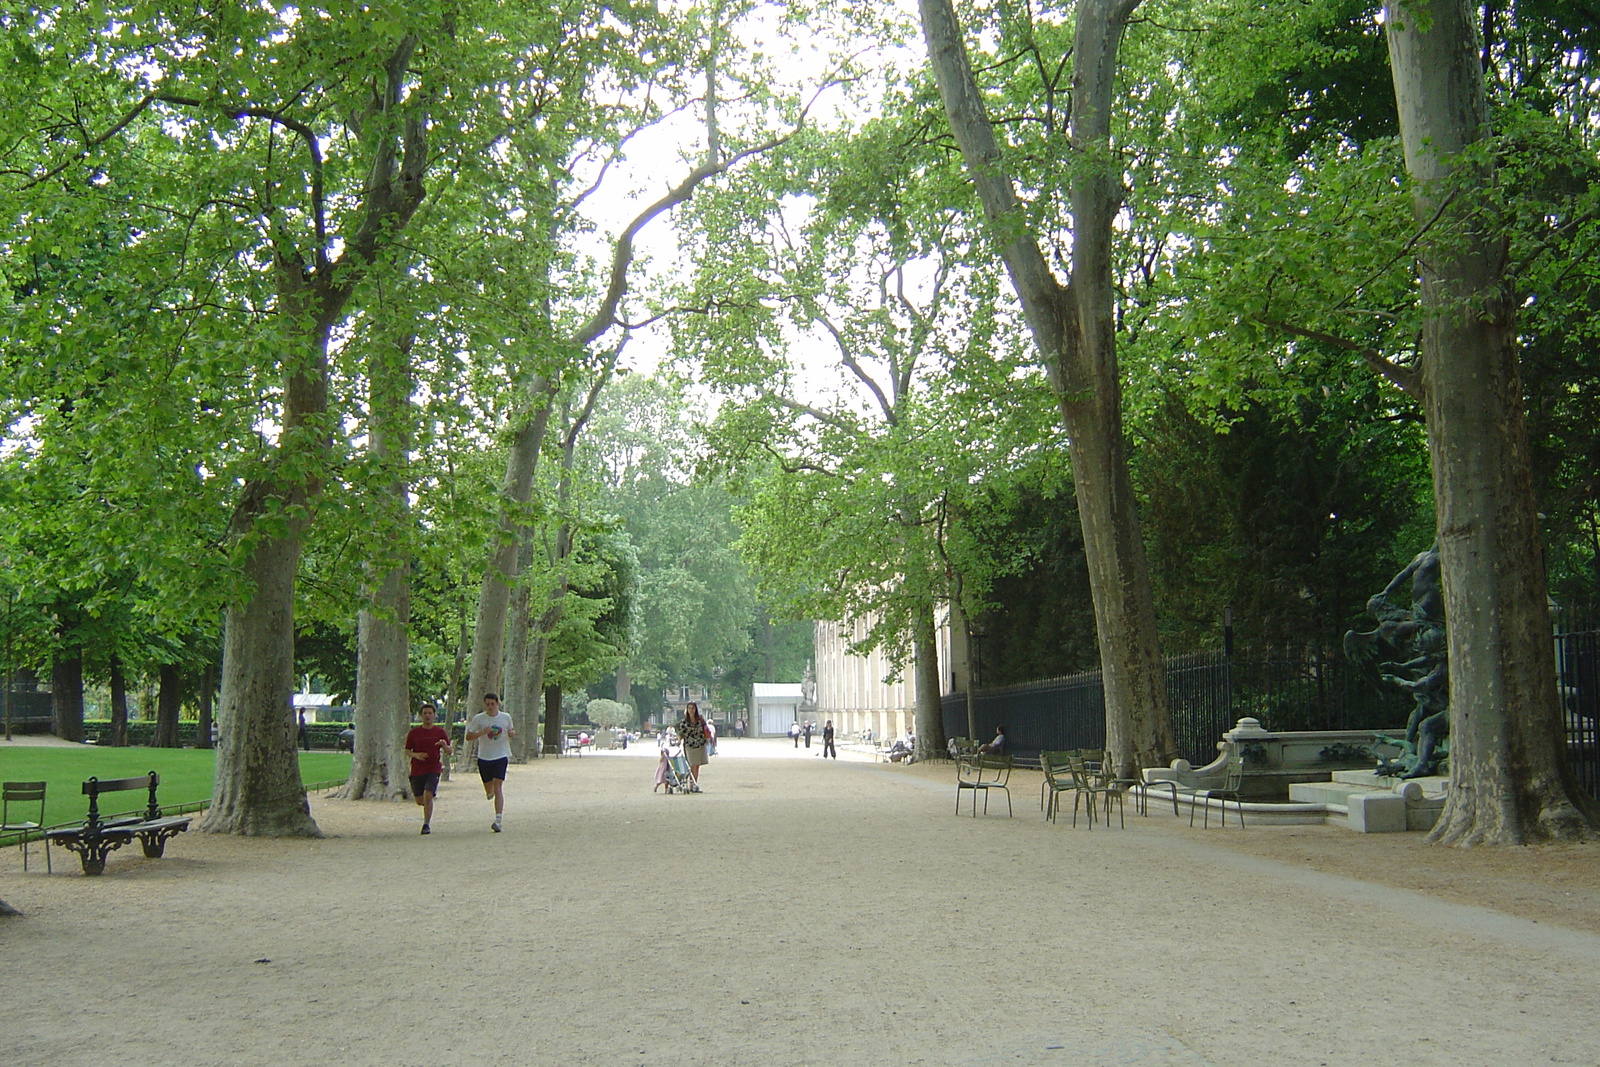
(853, 690)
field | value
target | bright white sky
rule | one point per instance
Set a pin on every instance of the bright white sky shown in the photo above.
(658, 159)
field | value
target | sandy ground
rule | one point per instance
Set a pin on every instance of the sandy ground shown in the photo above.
(798, 913)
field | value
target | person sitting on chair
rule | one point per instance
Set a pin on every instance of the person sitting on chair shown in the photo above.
(998, 745)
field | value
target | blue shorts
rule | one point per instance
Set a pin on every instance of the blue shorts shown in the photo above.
(493, 769)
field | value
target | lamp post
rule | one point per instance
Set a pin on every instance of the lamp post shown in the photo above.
(11, 669)
(975, 636)
(1227, 661)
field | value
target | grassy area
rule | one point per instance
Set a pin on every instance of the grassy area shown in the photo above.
(185, 774)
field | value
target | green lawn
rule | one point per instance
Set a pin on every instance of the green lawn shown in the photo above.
(185, 775)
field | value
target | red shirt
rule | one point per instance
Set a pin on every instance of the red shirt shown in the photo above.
(430, 739)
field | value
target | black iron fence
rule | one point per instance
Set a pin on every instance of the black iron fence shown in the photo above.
(1045, 716)
(1207, 692)
(1578, 670)
(28, 710)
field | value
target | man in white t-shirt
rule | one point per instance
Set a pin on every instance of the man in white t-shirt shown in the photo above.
(491, 728)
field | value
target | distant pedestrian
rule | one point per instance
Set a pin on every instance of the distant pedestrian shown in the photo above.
(827, 741)
(809, 727)
(491, 728)
(794, 733)
(424, 746)
(304, 735)
(695, 733)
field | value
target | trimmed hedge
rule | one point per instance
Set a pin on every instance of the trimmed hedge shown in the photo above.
(142, 732)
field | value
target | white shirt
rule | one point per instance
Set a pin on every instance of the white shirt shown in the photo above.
(496, 744)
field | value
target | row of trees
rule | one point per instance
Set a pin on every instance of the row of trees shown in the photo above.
(320, 318)
(1297, 288)
(302, 297)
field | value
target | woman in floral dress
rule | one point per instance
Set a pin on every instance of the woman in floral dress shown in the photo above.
(693, 733)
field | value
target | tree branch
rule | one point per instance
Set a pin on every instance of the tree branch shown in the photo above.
(1406, 380)
(90, 145)
(826, 417)
(849, 360)
(605, 316)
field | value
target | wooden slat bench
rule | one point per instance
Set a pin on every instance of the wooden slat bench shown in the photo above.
(96, 837)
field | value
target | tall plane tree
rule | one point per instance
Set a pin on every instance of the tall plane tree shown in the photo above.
(577, 338)
(1511, 782)
(1074, 331)
(847, 514)
(257, 788)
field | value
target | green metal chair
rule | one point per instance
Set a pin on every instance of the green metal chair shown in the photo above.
(1058, 779)
(1087, 786)
(24, 794)
(982, 774)
(1228, 791)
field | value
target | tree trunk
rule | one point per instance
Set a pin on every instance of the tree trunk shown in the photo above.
(66, 696)
(169, 698)
(494, 592)
(555, 600)
(964, 666)
(533, 684)
(552, 714)
(119, 705)
(558, 553)
(517, 698)
(538, 657)
(453, 710)
(202, 724)
(378, 767)
(929, 712)
(624, 685)
(1510, 781)
(1073, 331)
(257, 789)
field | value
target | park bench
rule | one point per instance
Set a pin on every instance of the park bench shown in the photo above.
(96, 837)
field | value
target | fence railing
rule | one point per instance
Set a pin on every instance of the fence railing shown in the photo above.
(1207, 692)
(1578, 671)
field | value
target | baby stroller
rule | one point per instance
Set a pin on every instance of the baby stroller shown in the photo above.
(676, 775)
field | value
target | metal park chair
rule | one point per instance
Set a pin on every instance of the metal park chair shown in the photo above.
(1088, 784)
(1058, 779)
(981, 774)
(1228, 791)
(24, 795)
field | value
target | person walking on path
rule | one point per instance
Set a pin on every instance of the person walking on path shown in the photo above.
(491, 728)
(425, 745)
(809, 727)
(695, 735)
(794, 733)
(304, 735)
(827, 741)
